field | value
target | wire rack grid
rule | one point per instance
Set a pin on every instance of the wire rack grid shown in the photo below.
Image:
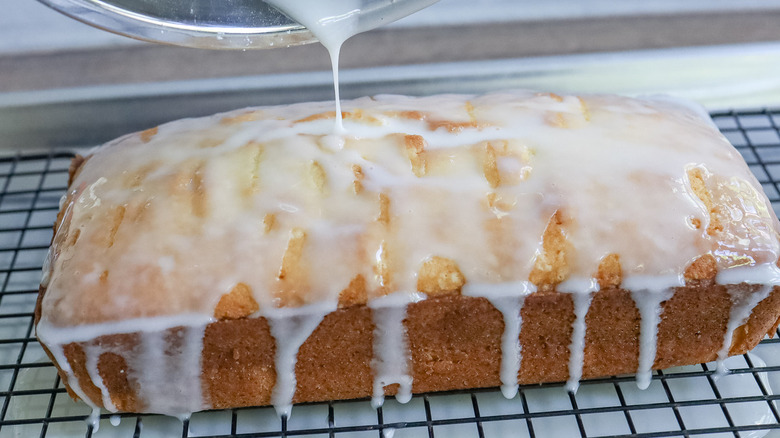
(680, 402)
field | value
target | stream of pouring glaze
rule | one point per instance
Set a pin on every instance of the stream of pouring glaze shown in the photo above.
(335, 21)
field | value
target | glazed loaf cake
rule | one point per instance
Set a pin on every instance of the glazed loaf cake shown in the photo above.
(444, 242)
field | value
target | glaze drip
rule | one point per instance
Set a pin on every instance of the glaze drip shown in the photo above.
(742, 304)
(582, 294)
(648, 301)
(92, 354)
(291, 329)
(391, 347)
(508, 300)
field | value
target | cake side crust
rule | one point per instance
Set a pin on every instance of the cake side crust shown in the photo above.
(455, 344)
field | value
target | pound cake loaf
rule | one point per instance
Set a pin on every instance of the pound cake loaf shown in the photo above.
(444, 242)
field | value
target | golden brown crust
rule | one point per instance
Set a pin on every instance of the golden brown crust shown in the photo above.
(692, 325)
(117, 382)
(357, 184)
(318, 177)
(611, 345)
(355, 293)
(545, 336)
(609, 273)
(75, 166)
(147, 135)
(77, 359)
(490, 167)
(703, 268)
(336, 358)
(292, 275)
(552, 266)
(238, 363)
(696, 178)
(439, 275)
(238, 303)
(455, 343)
(415, 151)
(241, 118)
(759, 324)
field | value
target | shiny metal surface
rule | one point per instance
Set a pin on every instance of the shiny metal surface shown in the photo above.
(209, 24)
(224, 24)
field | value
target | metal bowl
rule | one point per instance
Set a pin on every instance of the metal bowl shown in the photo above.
(222, 24)
(217, 24)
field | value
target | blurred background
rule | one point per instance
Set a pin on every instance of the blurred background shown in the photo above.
(41, 49)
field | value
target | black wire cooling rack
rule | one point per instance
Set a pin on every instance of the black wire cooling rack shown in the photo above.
(680, 402)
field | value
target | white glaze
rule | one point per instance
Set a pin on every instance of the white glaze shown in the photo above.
(391, 346)
(91, 364)
(648, 302)
(648, 292)
(57, 350)
(94, 419)
(290, 328)
(507, 299)
(582, 293)
(155, 363)
(763, 274)
(147, 365)
(742, 304)
(332, 22)
(169, 250)
(510, 342)
(191, 368)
